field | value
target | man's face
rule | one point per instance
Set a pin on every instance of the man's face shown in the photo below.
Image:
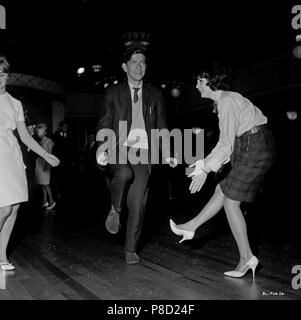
(135, 68)
(3, 79)
(41, 132)
(64, 127)
(31, 129)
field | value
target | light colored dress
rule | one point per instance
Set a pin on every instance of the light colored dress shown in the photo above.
(42, 168)
(13, 183)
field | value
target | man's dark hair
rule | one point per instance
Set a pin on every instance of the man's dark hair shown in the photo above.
(217, 75)
(127, 55)
(62, 123)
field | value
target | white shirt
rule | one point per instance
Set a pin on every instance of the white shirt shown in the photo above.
(137, 137)
(237, 115)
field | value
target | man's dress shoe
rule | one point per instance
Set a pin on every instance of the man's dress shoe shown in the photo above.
(131, 258)
(112, 222)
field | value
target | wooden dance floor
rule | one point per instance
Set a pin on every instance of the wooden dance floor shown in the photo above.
(57, 262)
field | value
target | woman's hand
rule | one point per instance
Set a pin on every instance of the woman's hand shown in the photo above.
(51, 159)
(198, 182)
(198, 168)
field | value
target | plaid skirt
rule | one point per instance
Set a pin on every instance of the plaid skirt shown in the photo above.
(252, 157)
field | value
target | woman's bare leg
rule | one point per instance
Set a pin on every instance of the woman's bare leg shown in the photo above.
(239, 229)
(49, 193)
(4, 214)
(44, 194)
(212, 207)
(7, 229)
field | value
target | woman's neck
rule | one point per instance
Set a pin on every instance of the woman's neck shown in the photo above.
(2, 91)
(215, 95)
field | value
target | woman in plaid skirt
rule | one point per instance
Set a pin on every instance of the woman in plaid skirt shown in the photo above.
(247, 142)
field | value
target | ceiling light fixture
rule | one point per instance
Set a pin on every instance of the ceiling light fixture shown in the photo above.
(80, 70)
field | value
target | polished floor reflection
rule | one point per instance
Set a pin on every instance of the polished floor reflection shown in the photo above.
(67, 254)
(57, 262)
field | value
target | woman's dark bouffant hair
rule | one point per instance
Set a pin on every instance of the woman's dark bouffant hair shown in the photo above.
(218, 76)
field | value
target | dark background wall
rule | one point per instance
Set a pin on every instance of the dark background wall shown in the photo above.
(36, 103)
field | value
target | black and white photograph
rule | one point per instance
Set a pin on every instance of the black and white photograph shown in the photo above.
(149, 153)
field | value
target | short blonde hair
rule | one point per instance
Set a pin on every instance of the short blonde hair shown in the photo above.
(41, 125)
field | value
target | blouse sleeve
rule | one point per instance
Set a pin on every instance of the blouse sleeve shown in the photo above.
(228, 115)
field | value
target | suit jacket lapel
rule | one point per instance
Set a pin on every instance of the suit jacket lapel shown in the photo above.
(145, 101)
(126, 96)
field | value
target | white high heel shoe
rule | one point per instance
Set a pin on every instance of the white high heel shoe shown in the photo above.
(251, 264)
(46, 204)
(6, 266)
(187, 235)
(51, 207)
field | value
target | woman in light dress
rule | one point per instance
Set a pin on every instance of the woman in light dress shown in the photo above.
(13, 183)
(43, 169)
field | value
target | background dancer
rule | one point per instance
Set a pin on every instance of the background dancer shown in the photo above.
(13, 182)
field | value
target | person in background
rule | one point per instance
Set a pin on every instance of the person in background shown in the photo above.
(29, 157)
(63, 149)
(246, 140)
(43, 169)
(90, 151)
(13, 182)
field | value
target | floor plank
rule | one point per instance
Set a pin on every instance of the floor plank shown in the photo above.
(63, 259)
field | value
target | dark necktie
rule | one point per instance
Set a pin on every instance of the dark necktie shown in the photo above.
(136, 94)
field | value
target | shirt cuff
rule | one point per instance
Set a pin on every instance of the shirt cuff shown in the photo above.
(213, 164)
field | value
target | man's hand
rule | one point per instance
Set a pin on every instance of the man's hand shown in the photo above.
(197, 182)
(102, 157)
(173, 162)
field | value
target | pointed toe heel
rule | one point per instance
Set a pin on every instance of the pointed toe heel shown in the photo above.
(251, 264)
(7, 266)
(187, 235)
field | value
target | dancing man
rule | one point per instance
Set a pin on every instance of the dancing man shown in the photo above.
(141, 108)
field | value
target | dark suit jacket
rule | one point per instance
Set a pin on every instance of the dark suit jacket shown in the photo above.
(119, 108)
(63, 148)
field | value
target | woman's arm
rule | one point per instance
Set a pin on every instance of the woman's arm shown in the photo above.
(27, 139)
(32, 144)
(228, 125)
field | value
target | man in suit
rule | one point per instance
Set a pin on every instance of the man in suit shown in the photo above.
(141, 108)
